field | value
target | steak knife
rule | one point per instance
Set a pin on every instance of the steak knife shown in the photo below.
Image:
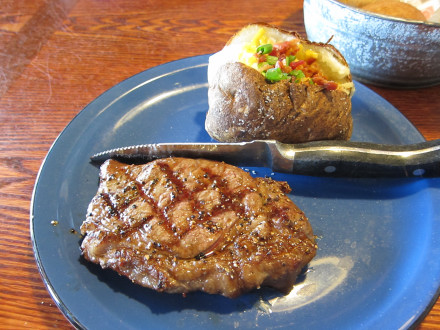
(317, 158)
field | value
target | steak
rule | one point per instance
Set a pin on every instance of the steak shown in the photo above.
(178, 225)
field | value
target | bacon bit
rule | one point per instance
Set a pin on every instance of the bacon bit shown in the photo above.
(280, 48)
(296, 64)
(282, 66)
(318, 80)
(285, 48)
(310, 60)
(331, 85)
(261, 58)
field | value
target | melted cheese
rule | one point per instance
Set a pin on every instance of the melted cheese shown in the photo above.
(246, 56)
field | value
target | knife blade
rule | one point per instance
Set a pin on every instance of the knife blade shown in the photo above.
(317, 158)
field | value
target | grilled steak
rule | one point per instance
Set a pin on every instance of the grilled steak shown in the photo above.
(179, 225)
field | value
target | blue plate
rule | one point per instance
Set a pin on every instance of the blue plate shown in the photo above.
(378, 264)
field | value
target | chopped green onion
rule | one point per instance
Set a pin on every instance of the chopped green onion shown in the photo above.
(271, 60)
(275, 74)
(290, 59)
(298, 74)
(264, 49)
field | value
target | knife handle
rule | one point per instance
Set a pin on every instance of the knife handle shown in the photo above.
(358, 159)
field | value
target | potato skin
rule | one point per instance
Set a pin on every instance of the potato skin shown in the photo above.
(243, 106)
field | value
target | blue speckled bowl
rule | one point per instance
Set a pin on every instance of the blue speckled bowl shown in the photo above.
(380, 50)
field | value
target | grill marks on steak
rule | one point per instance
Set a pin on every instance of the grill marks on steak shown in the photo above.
(180, 225)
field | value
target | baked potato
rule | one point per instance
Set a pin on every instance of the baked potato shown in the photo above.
(270, 84)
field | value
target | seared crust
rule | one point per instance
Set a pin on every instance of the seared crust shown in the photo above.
(244, 107)
(178, 225)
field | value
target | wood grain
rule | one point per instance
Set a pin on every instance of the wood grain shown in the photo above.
(59, 55)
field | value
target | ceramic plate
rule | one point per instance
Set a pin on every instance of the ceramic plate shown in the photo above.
(379, 239)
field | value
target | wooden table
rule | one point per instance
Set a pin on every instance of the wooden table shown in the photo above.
(58, 55)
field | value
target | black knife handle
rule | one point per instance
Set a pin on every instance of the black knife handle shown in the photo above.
(359, 159)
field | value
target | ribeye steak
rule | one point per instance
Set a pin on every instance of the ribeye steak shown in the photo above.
(179, 225)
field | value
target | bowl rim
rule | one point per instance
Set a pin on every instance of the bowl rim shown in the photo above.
(386, 17)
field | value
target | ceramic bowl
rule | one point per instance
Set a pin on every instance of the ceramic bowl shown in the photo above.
(380, 50)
